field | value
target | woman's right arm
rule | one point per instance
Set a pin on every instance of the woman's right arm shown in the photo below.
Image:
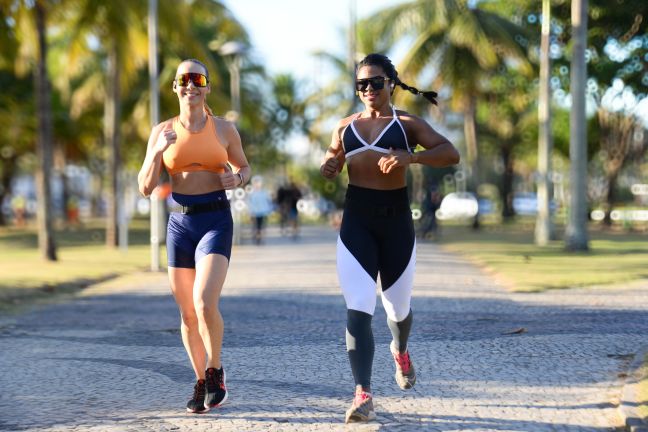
(334, 158)
(162, 136)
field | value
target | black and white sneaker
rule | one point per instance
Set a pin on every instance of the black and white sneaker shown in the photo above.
(216, 393)
(196, 404)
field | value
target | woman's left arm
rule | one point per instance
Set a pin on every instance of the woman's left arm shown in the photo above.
(439, 151)
(236, 158)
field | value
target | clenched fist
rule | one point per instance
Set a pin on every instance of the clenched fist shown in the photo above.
(330, 168)
(165, 139)
(394, 159)
(228, 179)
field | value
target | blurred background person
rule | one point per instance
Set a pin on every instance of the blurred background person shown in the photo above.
(288, 195)
(259, 206)
(429, 228)
(18, 205)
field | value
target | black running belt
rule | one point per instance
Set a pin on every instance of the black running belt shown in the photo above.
(201, 207)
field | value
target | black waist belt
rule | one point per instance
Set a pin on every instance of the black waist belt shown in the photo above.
(376, 209)
(202, 207)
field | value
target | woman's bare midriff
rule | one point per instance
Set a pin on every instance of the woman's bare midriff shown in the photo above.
(195, 182)
(364, 172)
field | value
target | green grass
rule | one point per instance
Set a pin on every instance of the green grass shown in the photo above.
(83, 259)
(508, 252)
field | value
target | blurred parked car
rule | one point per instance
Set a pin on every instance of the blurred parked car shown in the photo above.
(457, 205)
(526, 204)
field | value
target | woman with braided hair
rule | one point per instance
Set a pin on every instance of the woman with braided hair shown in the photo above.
(377, 233)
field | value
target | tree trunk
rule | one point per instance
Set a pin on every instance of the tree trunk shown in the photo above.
(576, 236)
(618, 142)
(5, 182)
(112, 137)
(470, 132)
(544, 226)
(46, 243)
(60, 162)
(507, 184)
(609, 199)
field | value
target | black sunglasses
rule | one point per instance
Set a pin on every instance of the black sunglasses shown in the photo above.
(377, 83)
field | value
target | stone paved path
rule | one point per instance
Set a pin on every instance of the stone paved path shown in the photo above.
(112, 359)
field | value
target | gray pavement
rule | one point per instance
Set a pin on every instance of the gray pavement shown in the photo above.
(111, 359)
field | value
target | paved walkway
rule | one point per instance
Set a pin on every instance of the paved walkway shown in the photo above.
(112, 359)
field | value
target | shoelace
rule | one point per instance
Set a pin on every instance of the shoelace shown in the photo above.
(199, 391)
(403, 361)
(216, 378)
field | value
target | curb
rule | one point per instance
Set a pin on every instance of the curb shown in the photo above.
(628, 408)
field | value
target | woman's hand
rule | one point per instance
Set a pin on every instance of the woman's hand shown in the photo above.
(395, 159)
(229, 179)
(330, 168)
(166, 138)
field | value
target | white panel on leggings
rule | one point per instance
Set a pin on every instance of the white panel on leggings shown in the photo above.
(358, 287)
(396, 298)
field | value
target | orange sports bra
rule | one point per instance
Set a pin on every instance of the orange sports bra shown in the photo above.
(195, 151)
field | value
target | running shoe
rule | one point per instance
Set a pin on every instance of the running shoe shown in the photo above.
(405, 373)
(216, 389)
(196, 404)
(362, 409)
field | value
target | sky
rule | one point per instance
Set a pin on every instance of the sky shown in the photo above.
(285, 32)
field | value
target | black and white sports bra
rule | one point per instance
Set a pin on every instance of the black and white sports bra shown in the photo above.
(392, 136)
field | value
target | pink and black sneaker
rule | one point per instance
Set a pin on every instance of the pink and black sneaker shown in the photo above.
(362, 409)
(405, 373)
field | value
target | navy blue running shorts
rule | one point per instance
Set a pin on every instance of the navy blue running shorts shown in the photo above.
(190, 237)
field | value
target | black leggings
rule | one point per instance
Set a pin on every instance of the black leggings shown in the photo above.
(376, 238)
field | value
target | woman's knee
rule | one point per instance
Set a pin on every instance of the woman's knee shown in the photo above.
(189, 318)
(206, 311)
(397, 311)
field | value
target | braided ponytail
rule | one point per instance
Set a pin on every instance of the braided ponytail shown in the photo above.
(386, 64)
(429, 95)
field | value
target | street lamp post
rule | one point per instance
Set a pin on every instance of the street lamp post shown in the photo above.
(232, 54)
(156, 205)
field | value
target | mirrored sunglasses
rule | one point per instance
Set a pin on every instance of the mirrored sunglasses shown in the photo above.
(198, 80)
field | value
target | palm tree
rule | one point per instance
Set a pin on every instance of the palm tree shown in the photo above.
(32, 55)
(576, 237)
(16, 105)
(46, 243)
(622, 139)
(336, 98)
(117, 26)
(463, 44)
(544, 228)
(507, 115)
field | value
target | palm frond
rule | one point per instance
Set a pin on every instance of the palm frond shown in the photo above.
(467, 32)
(510, 40)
